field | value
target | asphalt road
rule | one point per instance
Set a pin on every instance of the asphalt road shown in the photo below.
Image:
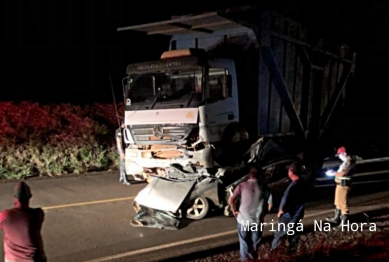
(88, 219)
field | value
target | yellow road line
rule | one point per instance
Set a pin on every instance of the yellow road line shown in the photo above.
(89, 203)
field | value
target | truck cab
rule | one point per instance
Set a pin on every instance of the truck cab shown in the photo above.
(176, 108)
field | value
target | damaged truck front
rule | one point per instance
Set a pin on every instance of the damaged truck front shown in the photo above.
(168, 111)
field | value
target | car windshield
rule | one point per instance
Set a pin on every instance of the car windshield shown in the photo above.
(166, 86)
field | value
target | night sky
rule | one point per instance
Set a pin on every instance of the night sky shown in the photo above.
(64, 51)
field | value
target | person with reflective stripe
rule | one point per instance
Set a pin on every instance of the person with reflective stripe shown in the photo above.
(343, 186)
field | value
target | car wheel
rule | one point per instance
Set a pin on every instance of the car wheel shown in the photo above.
(199, 209)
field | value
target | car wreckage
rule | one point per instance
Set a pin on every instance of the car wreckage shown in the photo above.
(190, 192)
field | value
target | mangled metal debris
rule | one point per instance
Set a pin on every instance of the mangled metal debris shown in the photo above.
(189, 191)
(149, 217)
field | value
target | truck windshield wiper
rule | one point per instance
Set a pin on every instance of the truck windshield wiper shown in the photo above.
(156, 98)
(190, 99)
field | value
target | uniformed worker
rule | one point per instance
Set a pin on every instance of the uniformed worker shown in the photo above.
(343, 186)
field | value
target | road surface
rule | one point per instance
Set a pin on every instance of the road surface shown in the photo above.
(88, 219)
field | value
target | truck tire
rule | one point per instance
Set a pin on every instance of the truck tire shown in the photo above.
(234, 133)
(234, 144)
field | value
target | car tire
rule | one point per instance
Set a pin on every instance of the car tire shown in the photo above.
(199, 209)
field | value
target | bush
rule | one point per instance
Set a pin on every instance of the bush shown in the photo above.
(48, 140)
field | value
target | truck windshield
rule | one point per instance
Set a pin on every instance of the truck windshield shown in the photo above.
(166, 86)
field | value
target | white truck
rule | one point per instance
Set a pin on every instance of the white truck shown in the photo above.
(230, 77)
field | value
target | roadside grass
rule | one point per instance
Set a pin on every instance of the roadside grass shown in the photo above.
(56, 139)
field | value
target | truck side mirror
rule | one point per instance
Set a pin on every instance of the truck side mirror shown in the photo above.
(127, 136)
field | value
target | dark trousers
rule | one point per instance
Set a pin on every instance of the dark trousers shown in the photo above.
(284, 227)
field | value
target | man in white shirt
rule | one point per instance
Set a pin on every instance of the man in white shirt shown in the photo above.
(255, 201)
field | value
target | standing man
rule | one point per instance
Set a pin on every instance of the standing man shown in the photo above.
(292, 208)
(121, 147)
(255, 201)
(343, 184)
(22, 227)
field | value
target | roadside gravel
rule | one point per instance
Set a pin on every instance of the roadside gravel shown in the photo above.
(325, 246)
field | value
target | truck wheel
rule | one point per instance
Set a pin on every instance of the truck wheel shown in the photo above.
(199, 209)
(234, 133)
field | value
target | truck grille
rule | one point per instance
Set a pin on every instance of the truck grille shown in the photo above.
(160, 134)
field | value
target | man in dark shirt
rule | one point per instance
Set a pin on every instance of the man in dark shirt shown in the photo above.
(291, 209)
(22, 227)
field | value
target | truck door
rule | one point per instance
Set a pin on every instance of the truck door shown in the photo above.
(220, 107)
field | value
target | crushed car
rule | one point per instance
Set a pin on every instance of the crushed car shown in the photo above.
(190, 192)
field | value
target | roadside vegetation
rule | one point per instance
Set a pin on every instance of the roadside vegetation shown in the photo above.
(56, 139)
